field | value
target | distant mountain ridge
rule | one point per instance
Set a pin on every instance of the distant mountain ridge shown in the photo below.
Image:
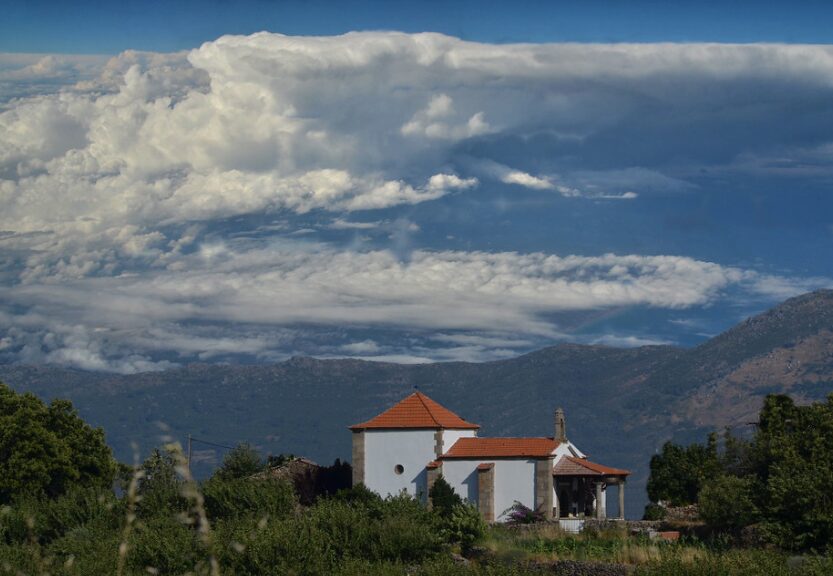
(621, 404)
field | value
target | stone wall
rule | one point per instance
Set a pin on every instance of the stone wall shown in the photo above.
(358, 458)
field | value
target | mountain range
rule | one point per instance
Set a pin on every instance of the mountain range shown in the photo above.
(621, 404)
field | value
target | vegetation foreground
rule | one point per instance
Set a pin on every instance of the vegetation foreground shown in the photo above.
(59, 515)
(165, 525)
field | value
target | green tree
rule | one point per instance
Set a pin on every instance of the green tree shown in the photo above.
(160, 486)
(678, 473)
(780, 479)
(46, 450)
(443, 497)
(794, 452)
(727, 503)
(241, 462)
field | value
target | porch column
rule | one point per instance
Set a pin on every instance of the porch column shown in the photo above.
(621, 489)
(599, 508)
(556, 505)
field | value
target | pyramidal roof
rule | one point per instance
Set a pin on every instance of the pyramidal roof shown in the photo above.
(417, 411)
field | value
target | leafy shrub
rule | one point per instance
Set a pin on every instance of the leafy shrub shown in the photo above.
(226, 499)
(332, 533)
(464, 526)
(163, 543)
(654, 512)
(397, 528)
(90, 549)
(50, 519)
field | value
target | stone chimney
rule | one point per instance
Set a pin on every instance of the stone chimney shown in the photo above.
(560, 425)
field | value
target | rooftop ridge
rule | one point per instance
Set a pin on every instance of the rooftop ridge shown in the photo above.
(416, 411)
(421, 398)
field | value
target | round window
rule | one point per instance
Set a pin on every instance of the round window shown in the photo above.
(399, 468)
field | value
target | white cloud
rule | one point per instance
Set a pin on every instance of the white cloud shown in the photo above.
(434, 122)
(249, 296)
(629, 341)
(485, 341)
(782, 287)
(342, 224)
(363, 347)
(450, 182)
(527, 180)
(120, 183)
(271, 122)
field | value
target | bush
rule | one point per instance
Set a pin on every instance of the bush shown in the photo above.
(654, 512)
(50, 519)
(165, 544)
(225, 499)
(464, 526)
(332, 533)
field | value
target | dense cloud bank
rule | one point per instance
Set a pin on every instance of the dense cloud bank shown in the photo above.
(124, 186)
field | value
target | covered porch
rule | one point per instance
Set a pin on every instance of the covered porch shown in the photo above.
(580, 487)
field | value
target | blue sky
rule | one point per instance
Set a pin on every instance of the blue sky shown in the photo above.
(111, 27)
(176, 187)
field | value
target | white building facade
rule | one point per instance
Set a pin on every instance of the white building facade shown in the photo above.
(409, 446)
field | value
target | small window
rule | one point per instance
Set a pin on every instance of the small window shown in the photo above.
(399, 468)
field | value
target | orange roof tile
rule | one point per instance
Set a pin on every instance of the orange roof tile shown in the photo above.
(502, 448)
(433, 465)
(417, 411)
(570, 466)
(486, 466)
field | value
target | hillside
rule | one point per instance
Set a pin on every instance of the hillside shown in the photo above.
(621, 404)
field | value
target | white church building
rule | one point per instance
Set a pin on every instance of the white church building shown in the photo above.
(410, 445)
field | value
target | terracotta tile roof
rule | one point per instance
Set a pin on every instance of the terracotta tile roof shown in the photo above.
(501, 448)
(417, 411)
(433, 465)
(569, 466)
(486, 466)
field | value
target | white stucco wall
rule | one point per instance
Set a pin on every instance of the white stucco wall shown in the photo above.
(384, 449)
(564, 449)
(462, 476)
(451, 436)
(514, 480)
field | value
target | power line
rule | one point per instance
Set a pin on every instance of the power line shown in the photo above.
(191, 440)
(210, 443)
